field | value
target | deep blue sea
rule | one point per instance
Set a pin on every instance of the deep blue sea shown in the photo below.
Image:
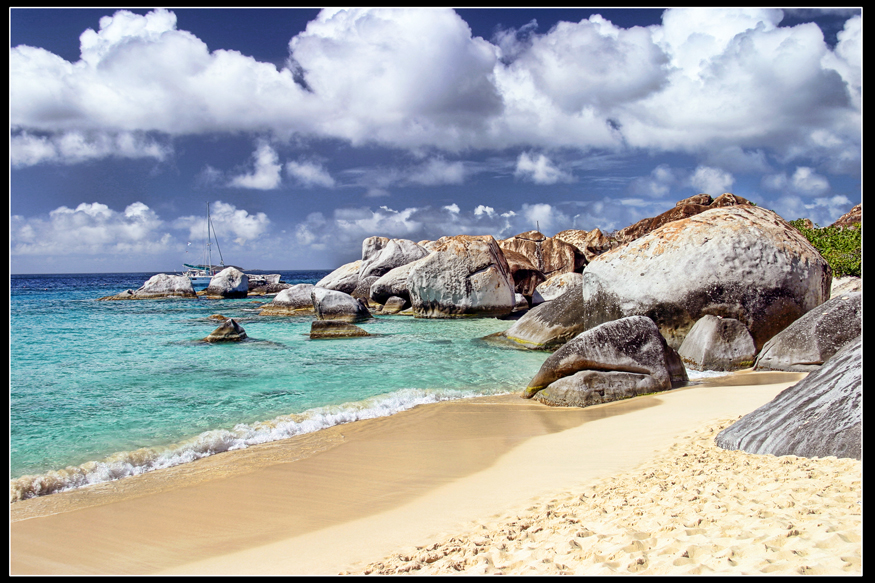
(104, 390)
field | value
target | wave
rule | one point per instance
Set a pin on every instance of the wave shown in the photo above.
(131, 463)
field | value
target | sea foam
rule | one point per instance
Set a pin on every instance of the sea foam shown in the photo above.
(131, 463)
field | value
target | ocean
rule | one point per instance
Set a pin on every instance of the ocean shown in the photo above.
(101, 391)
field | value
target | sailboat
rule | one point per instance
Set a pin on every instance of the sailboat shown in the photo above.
(200, 275)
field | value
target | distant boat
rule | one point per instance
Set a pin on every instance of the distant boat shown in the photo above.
(200, 275)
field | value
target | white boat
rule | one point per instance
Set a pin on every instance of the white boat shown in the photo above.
(201, 274)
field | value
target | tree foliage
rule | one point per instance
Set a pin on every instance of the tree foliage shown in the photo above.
(841, 247)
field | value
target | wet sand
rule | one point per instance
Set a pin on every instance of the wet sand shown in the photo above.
(347, 497)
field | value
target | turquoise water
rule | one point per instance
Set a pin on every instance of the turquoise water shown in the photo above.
(104, 390)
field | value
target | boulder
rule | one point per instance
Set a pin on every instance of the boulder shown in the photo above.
(373, 245)
(556, 286)
(547, 254)
(395, 253)
(343, 279)
(547, 325)
(616, 360)
(160, 286)
(591, 244)
(819, 416)
(392, 284)
(464, 276)
(741, 262)
(852, 218)
(526, 276)
(334, 305)
(228, 331)
(335, 329)
(362, 291)
(811, 340)
(700, 199)
(395, 304)
(296, 300)
(228, 283)
(716, 343)
(267, 289)
(846, 284)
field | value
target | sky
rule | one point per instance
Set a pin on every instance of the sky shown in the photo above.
(306, 131)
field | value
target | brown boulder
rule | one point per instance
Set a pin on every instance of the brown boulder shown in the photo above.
(853, 218)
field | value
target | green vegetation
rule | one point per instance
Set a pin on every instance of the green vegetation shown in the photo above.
(842, 248)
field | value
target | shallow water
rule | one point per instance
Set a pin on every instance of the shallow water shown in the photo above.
(104, 390)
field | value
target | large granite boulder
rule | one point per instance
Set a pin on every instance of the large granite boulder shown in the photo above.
(820, 416)
(549, 324)
(526, 276)
(294, 301)
(373, 245)
(395, 253)
(591, 244)
(683, 209)
(343, 279)
(335, 329)
(716, 343)
(555, 286)
(846, 284)
(334, 305)
(547, 254)
(741, 262)
(853, 218)
(811, 340)
(228, 331)
(616, 360)
(158, 286)
(464, 276)
(392, 284)
(228, 283)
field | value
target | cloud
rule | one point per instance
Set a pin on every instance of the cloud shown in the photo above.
(309, 174)
(806, 181)
(703, 82)
(230, 223)
(711, 180)
(659, 184)
(266, 175)
(437, 171)
(26, 149)
(540, 170)
(92, 229)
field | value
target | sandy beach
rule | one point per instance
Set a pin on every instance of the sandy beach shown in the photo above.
(487, 485)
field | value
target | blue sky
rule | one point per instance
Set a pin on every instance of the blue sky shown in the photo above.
(307, 131)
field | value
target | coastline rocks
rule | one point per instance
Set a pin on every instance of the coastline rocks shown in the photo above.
(853, 218)
(741, 262)
(556, 286)
(394, 305)
(526, 276)
(295, 300)
(228, 283)
(343, 279)
(819, 416)
(158, 286)
(547, 254)
(228, 331)
(811, 340)
(547, 325)
(392, 284)
(335, 305)
(616, 360)
(716, 343)
(335, 329)
(591, 244)
(464, 276)
(846, 284)
(394, 253)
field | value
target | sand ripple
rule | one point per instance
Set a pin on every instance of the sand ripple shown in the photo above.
(695, 509)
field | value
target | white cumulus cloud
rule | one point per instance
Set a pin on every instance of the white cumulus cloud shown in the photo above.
(266, 175)
(539, 170)
(309, 173)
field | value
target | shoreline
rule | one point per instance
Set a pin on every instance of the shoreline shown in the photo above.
(446, 463)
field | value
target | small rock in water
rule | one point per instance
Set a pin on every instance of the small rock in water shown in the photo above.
(229, 331)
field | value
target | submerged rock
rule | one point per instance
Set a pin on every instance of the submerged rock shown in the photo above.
(819, 416)
(616, 360)
(716, 343)
(335, 329)
(228, 331)
(811, 340)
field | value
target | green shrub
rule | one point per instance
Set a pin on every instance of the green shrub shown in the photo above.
(842, 248)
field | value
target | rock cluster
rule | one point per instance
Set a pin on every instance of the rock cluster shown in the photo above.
(158, 286)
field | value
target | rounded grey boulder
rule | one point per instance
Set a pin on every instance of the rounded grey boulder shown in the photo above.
(228, 331)
(292, 301)
(335, 305)
(716, 343)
